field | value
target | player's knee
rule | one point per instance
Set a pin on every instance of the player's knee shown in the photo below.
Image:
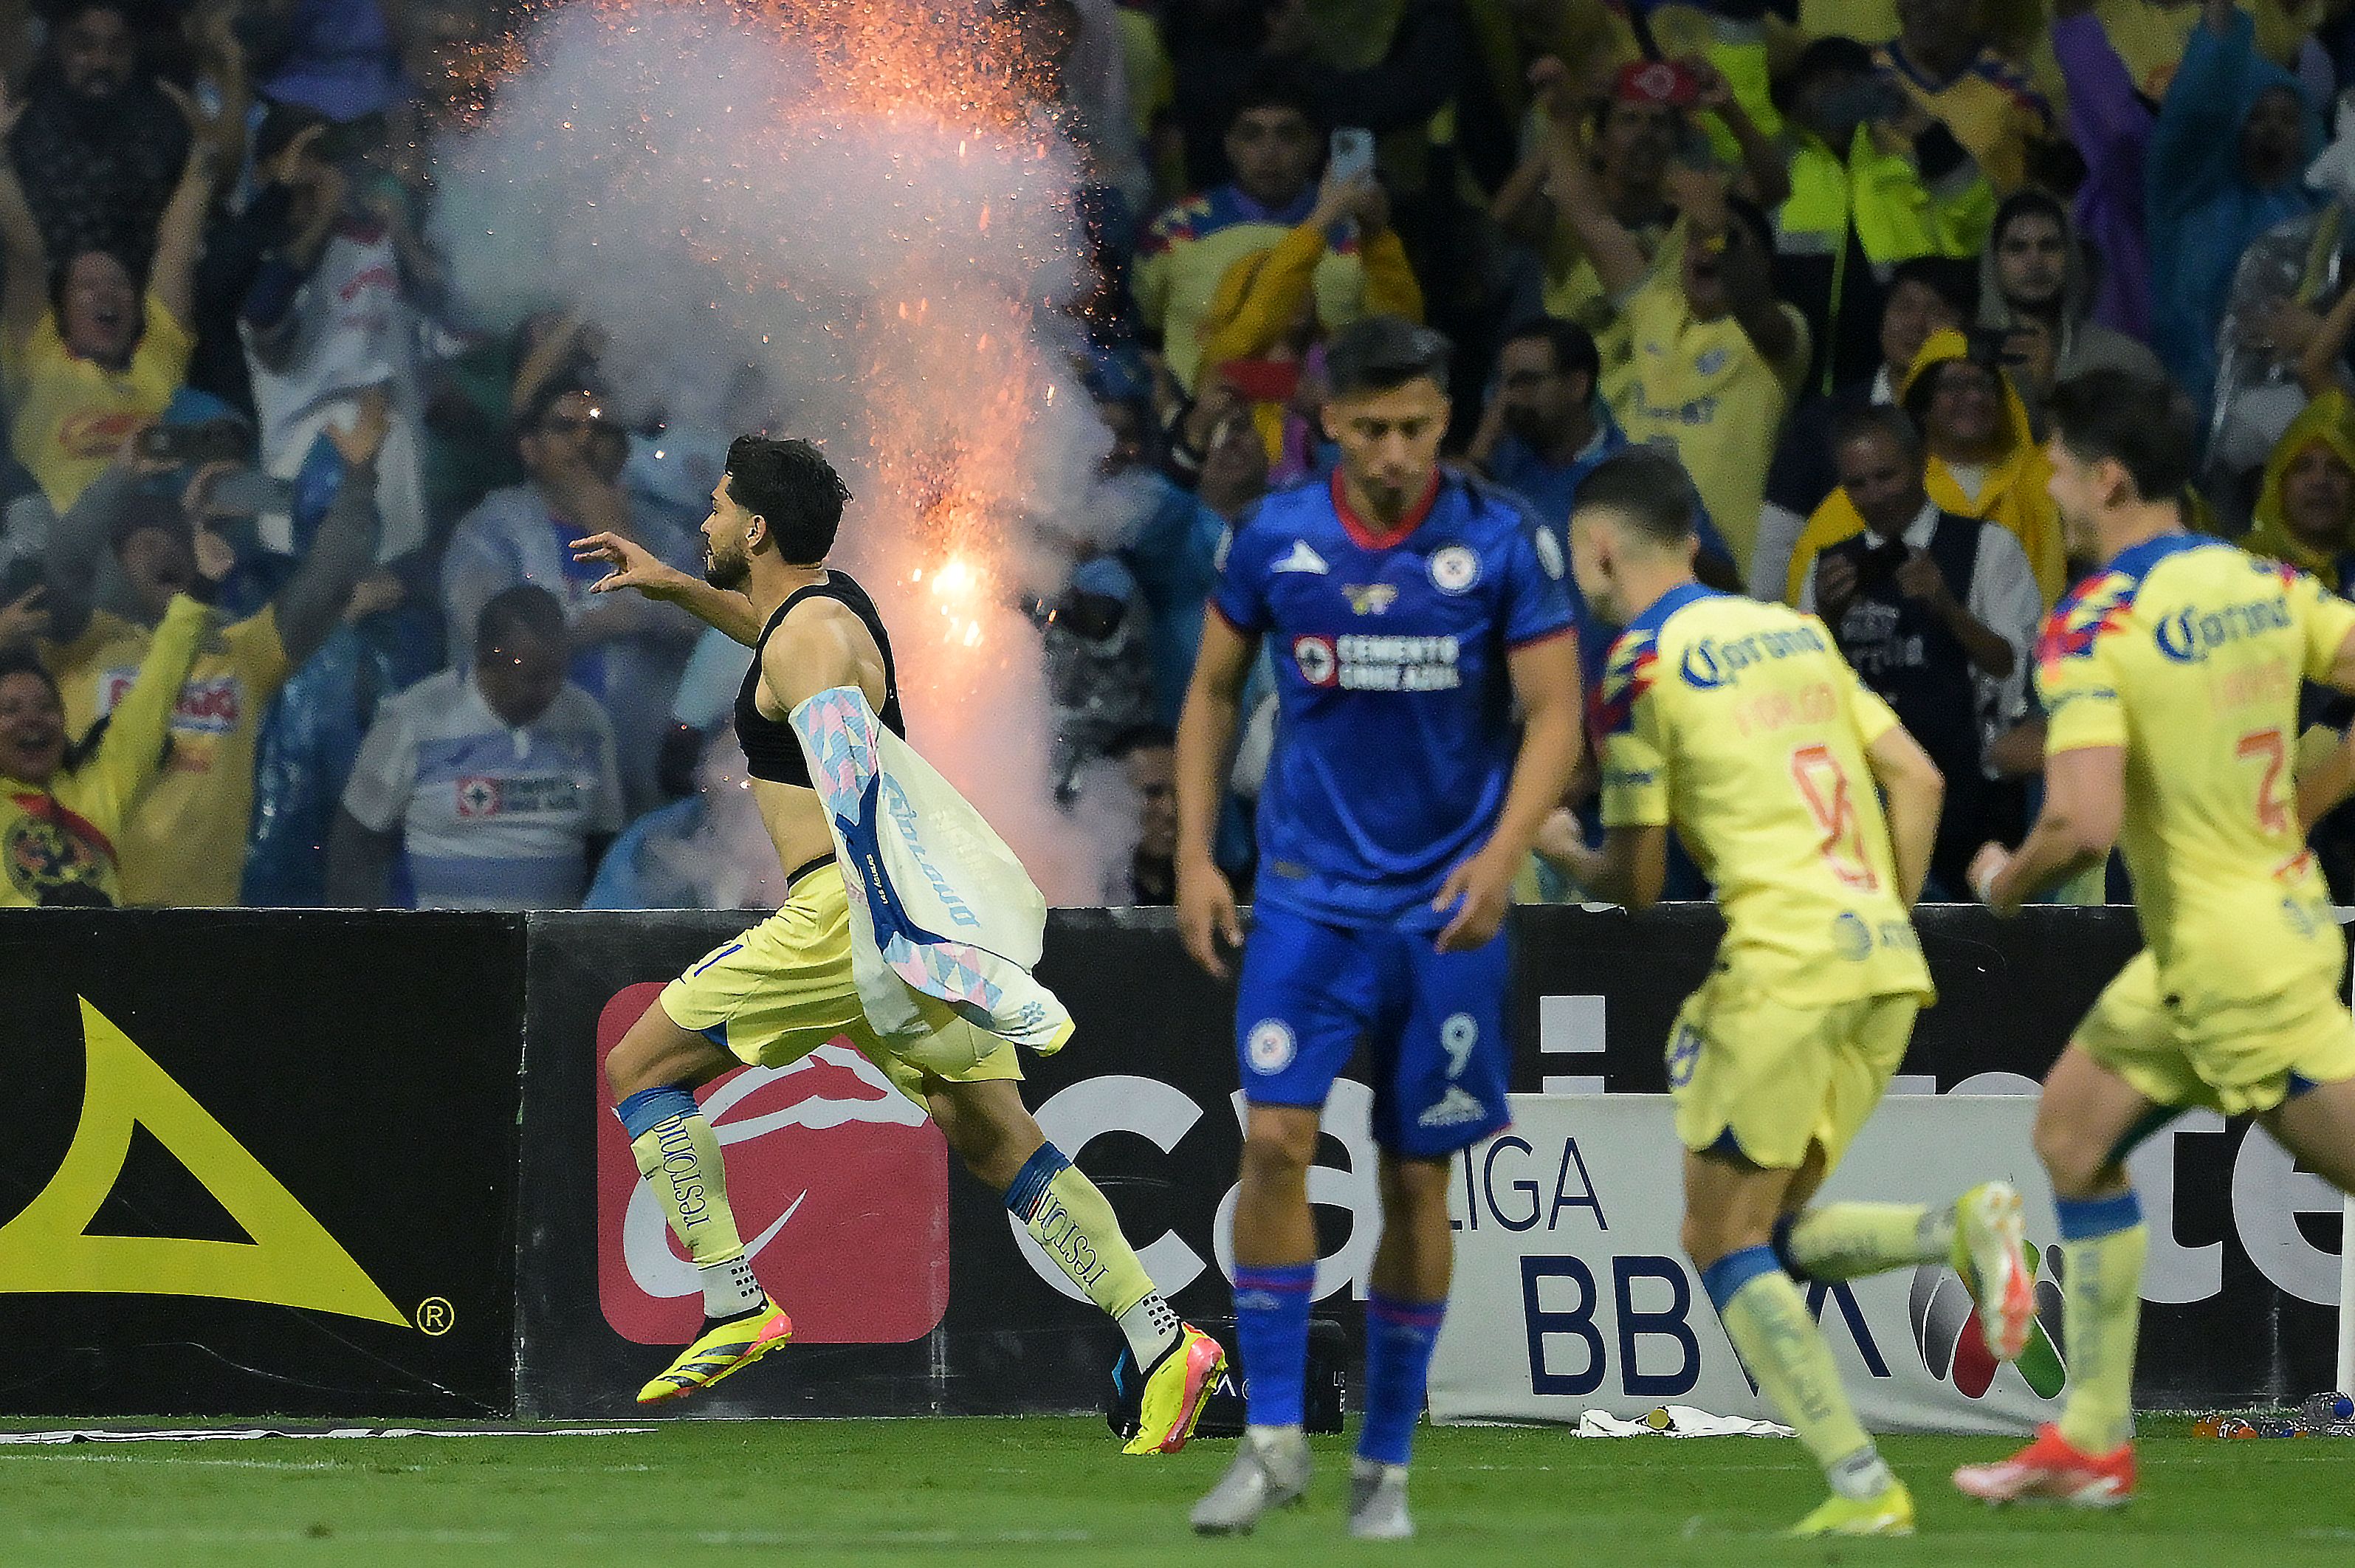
(1707, 1237)
(1414, 1186)
(1273, 1162)
(2072, 1156)
(629, 1066)
(991, 1133)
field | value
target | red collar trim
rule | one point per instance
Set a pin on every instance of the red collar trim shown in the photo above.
(1365, 537)
(49, 808)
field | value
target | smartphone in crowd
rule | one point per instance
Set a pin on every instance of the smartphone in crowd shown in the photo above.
(1353, 152)
(206, 441)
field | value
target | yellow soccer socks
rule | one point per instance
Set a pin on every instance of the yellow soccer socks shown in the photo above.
(678, 1155)
(1767, 1320)
(1836, 1242)
(1072, 1221)
(2103, 1241)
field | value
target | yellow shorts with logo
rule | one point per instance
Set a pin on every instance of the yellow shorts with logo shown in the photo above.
(784, 988)
(2237, 1057)
(1771, 1079)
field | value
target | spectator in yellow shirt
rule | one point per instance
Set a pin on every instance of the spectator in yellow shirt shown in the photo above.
(1716, 358)
(1263, 321)
(186, 842)
(1983, 462)
(1943, 56)
(85, 357)
(62, 807)
(1277, 144)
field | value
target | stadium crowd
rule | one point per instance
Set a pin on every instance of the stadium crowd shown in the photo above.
(1834, 254)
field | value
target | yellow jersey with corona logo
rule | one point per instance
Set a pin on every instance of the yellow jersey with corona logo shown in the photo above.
(58, 839)
(1739, 724)
(184, 847)
(74, 414)
(2188, 652)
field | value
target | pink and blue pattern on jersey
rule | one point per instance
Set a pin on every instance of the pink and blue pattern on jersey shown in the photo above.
(919, 862)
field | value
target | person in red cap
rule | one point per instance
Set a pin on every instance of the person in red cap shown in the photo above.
(1632, 140)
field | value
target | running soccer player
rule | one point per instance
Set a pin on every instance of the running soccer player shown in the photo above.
(785, 987)
(1409, 608)
(2172, 677)
(1738, 724)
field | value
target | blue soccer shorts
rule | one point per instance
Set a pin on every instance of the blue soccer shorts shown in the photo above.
(1434, 1022)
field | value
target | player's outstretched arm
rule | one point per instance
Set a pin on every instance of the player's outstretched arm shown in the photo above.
(1629, 870)
(1545, 682)
(635, 566)
(1206, 746)
(1912, 791)
(2084, 801)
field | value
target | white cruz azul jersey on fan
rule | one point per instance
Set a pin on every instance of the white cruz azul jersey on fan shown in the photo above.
(495, 818)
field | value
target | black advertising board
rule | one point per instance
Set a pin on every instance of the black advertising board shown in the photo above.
(907, 1289)
(259, 1163)
(273, 1162)
(912, 1295)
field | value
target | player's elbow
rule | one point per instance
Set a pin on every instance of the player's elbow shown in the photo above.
(2086, 835)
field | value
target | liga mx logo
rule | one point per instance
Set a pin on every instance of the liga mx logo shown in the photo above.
(1948, 1333)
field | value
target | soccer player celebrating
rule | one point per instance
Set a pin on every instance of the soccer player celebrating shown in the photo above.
(785, 987)
(1739, 724)
(2171, 676)
(1409, 609)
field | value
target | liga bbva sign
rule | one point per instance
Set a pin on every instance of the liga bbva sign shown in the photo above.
(1573, 1292)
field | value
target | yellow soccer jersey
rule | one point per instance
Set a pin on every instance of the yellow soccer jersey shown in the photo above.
(185, 844)
(2188, 653)
(1740, 725)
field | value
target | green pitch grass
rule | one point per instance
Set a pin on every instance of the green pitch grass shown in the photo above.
(1042, 1492)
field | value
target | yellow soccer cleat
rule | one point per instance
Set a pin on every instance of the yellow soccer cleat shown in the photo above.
(1176, 1390)
(1891, 1513)
(1991, 1255)
(720, 1351)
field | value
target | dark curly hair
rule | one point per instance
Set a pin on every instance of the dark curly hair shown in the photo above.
(790, 486)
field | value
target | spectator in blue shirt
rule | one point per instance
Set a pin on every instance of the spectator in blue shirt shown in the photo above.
(1545, 431)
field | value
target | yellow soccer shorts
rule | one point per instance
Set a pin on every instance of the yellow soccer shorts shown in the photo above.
(1767, 1079)
(2237, 1055)
(784, 988)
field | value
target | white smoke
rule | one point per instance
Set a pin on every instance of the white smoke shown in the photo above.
(776, 239)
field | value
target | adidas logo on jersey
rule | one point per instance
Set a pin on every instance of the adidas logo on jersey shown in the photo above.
(1453, 1110)
(1302, 558)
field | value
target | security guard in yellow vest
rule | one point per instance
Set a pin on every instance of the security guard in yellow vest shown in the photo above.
(1874, 181)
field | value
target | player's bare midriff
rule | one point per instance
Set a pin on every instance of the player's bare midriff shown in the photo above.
(797, 822)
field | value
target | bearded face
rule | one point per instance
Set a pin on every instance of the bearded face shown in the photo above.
(725, 562)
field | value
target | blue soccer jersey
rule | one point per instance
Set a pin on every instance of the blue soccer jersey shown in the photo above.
(1395, 738)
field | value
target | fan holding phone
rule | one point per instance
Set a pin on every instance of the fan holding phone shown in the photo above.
(1262, 330)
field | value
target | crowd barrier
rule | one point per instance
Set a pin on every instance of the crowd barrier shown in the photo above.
(340, 1165)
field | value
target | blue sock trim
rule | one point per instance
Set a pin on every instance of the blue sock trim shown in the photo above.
(1782, 1246)
(1388, 1309)
(1272, 1335)
(1724, 1278)
(1283, 1279)
(1400, 1337)
(1029, 1184)
(2085, 1219)
(647, 1109)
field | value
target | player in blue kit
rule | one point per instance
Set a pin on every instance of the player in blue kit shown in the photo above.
(1409, 609)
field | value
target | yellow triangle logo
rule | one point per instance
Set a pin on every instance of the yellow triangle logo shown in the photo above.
(291, 1261)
